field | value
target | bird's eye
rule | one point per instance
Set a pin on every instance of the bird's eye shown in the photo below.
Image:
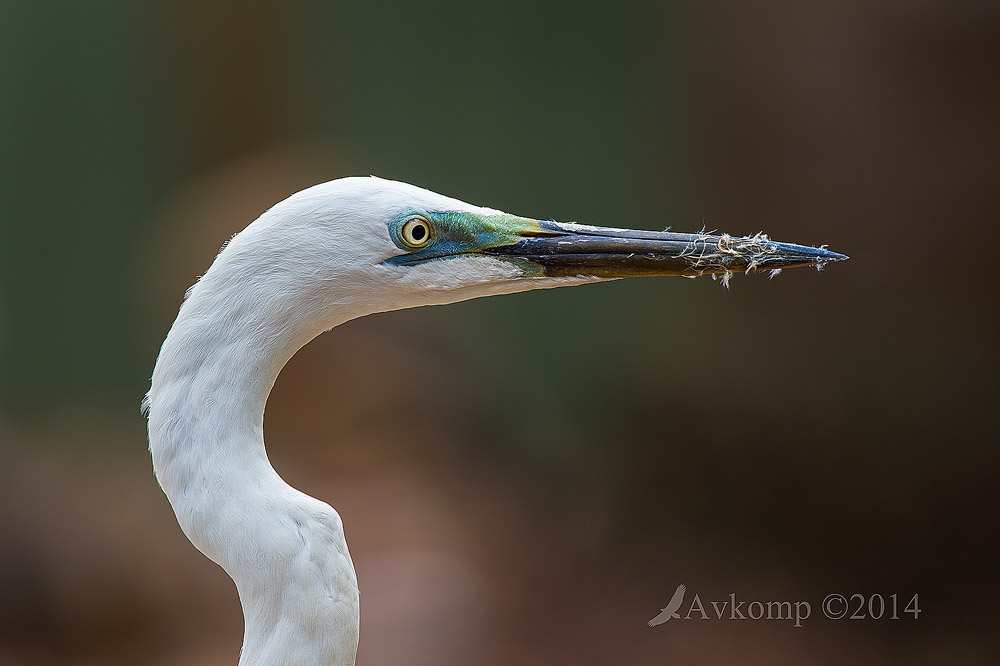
(416, 232)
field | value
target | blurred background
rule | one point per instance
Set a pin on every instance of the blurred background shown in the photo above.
(782, 440)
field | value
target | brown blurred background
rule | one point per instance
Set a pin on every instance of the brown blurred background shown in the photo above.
(579, 452)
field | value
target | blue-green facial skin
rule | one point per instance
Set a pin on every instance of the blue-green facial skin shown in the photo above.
(458, 233)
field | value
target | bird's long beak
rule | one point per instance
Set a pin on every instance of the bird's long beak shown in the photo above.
(562, 249)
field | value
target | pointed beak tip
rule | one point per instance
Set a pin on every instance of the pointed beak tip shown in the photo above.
(830, 255)
(789, 255)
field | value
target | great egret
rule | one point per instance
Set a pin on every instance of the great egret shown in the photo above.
(328, 254)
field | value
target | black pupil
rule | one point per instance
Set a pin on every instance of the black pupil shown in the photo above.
(417, 232)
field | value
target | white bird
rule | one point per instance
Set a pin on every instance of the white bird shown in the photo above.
(328, 254)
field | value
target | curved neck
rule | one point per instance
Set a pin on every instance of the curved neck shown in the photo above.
(285, 550)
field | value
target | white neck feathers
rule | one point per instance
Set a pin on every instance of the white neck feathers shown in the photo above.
(285, 550)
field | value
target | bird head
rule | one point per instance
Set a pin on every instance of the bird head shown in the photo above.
(360, 245)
